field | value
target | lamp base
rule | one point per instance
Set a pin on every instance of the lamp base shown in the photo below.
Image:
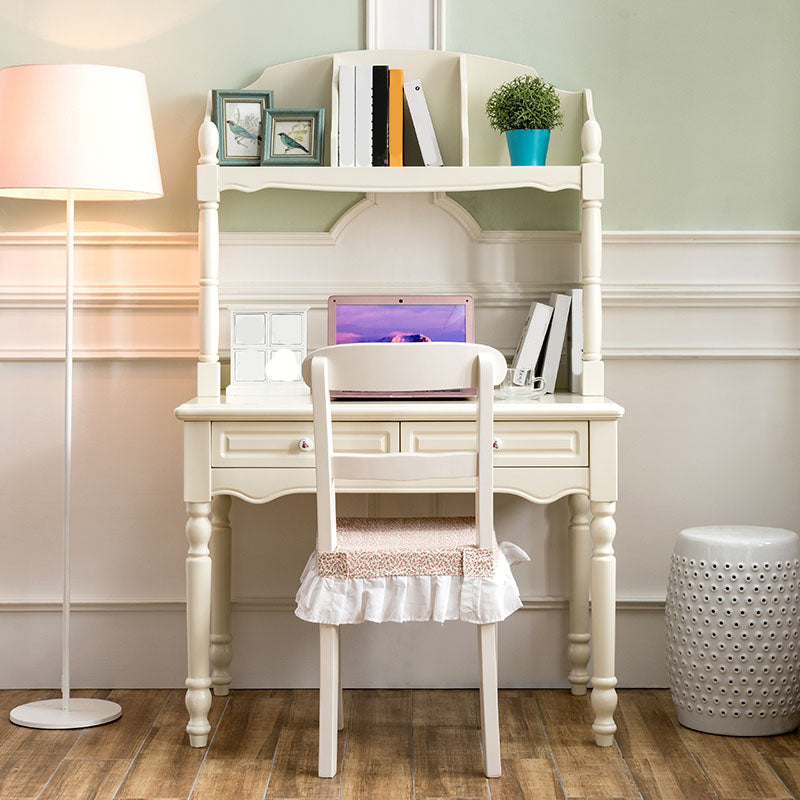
(83, 712)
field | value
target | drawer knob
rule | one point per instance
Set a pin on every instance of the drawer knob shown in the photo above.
(306, 444)
(497, 444)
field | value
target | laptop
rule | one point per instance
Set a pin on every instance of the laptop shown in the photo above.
(414, 319)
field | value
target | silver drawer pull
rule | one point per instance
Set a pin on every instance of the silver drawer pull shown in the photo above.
(497, 444)
(306, 444)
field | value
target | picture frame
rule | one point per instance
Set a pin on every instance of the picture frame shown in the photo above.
(293, 136)
(239, 117)
(267, 348)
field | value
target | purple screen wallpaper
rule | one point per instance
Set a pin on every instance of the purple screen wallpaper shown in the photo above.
(400, 323)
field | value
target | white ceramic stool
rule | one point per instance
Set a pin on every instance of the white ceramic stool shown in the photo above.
(733, 638)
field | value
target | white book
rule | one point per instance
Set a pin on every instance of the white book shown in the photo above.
(363, 115)
(532, 337)
(575, 341)
(554, 345)
(423, 125)
(347, 115)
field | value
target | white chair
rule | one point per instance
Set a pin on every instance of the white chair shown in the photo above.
(409, 569)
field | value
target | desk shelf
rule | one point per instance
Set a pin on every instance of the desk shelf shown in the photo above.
(457, 86)
(560, 445)
(398, 179)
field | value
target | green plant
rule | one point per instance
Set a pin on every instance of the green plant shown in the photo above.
(524, 102)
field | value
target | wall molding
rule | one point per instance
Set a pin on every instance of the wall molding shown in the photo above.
(701, 237)
(137, 313)
(276, 604)
(300, 238)
(433, 31)
(709, 353)
(443, 201)
(610, 353)
(698, 295)
(40, 354)
(181, 296)
(100, 296)
(100, 239)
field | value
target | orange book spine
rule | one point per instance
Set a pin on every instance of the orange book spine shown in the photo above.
(395, 118)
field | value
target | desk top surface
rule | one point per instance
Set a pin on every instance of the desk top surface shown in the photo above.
(550, 407)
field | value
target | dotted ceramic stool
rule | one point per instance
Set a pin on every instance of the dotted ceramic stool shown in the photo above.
(733, 639)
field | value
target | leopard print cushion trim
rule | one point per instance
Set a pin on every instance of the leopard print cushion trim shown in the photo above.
(376, 548)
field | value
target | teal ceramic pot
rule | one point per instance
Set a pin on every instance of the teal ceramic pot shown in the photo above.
(528, 148)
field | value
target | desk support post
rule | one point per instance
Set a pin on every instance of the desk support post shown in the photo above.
(591, 253)
(604, 572)
(221, 650)
(198, 619)
(580, 551)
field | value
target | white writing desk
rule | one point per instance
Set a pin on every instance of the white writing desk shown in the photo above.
(546, 449)
(260, 449)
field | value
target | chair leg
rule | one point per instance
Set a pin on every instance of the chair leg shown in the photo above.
(328, 697)
(340, 703)
(490, 723)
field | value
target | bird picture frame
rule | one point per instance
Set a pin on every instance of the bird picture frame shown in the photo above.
(293, 136)
(239, 117)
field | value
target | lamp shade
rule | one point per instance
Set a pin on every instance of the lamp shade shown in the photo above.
(82, 129)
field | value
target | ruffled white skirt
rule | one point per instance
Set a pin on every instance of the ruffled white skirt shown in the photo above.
(419, 598)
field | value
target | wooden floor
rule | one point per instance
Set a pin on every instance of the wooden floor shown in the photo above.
(396, 745)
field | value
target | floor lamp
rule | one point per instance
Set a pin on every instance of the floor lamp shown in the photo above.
(74, 132)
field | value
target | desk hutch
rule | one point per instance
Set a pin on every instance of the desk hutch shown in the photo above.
(258, 448)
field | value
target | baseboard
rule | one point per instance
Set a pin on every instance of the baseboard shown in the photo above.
(140, 644)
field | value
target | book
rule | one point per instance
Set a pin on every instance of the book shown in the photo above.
(423, 125)
(380, 115)
(363, 115)
(554, 344)
(532, 337)
(575, 341)
(347, 115)
(395, 118)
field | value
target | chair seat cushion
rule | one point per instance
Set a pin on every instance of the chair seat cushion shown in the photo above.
(411, 598)
(375, 548)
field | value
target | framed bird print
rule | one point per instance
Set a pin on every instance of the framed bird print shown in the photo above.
(239, 117)
(293, 136)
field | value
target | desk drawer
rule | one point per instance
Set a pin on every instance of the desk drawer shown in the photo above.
(277, 444)
(522, 444)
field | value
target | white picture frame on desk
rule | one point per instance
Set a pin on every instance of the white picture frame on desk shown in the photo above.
(267, 346)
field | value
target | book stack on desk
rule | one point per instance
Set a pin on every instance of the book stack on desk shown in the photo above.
(371, 117)
(546, 329)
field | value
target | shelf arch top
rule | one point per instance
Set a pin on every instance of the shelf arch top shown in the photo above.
(457, 86)
(443, 57)
(403, 56)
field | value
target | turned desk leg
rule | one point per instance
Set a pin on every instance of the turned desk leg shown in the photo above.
(221, 651)
(198, 622)
(578, 638)
(604, 696)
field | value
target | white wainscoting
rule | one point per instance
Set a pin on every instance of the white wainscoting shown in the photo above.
(405, 24)
(702, 336)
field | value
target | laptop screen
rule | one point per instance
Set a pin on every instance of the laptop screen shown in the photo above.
(399, 319)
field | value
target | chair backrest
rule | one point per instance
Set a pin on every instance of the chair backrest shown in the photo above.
(403, 367)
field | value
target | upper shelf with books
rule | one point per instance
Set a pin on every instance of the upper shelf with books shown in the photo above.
(456, 87)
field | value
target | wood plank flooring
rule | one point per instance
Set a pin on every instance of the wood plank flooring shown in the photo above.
(397, 745)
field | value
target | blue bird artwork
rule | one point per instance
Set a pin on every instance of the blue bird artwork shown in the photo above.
(291, 144)
(240, 132)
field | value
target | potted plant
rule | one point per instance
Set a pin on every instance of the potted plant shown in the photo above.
(526, 109)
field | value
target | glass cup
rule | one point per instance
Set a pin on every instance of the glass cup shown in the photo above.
(520, 384)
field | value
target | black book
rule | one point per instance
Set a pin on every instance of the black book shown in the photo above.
(380, 115)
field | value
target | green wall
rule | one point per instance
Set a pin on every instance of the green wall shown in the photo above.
(697, 99)
(185, 48)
